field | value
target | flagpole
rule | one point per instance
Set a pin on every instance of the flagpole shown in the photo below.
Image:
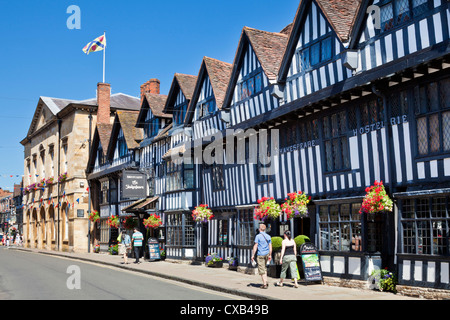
(104, 54)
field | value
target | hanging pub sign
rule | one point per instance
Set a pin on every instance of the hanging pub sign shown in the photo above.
(134, 184)
(311, 262)
(153, 249)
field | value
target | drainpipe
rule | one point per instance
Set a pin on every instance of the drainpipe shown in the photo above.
(89, 186)
(59, 185)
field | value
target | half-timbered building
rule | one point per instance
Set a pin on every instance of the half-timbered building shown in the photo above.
(156, 125)
(105, 171)
(370, 104)
(231, 189)
(180, 178)
(206, 118)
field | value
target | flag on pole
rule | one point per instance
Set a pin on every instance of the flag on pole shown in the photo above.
(98, 44)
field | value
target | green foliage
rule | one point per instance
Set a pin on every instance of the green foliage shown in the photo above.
(276, 243)
(385, 280)
(299, 240)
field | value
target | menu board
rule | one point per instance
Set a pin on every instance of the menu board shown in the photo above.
(311, 262)
(153, 249)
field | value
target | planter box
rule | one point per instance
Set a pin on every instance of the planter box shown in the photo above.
(216, 264)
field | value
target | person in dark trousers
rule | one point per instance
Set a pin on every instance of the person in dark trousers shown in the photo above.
(263, 250)
(137, 239)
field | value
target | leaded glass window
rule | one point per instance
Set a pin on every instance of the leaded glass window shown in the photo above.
(340, 227)
(426, 225)
(336, 149)
(433, 117)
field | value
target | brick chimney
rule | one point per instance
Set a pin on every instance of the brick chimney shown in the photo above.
(151, 86)
(104, 103)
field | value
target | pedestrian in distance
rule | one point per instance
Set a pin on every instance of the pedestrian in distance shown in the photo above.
(263, 250)
(124, 245)
(289, 259)
(138, 238)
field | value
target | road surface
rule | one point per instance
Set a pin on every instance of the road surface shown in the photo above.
(31, 276)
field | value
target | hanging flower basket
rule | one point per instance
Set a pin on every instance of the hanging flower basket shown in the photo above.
(94, 216)
(202, 214)
(62, 177)
(41, 184)
(296, 205)
(376, 199)
(153, 222)
(113, 222)
(268, 209)
(49, 181)
(130, 223)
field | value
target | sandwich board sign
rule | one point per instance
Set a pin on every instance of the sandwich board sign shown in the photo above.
(311, 262)
(153, 249)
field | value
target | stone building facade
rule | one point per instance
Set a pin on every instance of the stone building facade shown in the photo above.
(56, 150)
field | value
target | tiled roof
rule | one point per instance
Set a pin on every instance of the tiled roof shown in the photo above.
(132, 134)
(269, 48)
(219, 75)
(118, 101)
(288, 29)
(104, 133)
(341, 14)
(156, 103)
(187, 84)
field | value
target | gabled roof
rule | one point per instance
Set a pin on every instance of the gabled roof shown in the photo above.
(54, 105)
(102, 134)
(154, 103)
(185, 83)
(269, 48)
(125, 120)
(219, 76)
(340, 14)
(58, 107)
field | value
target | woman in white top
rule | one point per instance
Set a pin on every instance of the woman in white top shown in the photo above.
(289, 259)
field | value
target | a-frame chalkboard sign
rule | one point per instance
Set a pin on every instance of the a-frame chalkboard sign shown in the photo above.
(153, 249)
(311, 263)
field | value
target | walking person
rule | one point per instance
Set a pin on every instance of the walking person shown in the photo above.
(124, 245)
(138, 238)
(263, 251)
(289, 259)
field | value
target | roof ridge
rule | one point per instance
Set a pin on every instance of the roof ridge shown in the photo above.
(264, 31)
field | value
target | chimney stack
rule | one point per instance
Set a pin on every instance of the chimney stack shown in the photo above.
(104, 103)
(151, 86)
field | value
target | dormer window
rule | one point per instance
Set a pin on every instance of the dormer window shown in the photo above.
(100, 156)
(318, 52)
(122, 145)
(179, 113)
(250, 85)
(206, 108)
(396, 12)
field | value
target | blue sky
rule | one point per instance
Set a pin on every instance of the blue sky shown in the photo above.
(40, 56)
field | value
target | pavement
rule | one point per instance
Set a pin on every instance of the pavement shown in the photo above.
(227, 281)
